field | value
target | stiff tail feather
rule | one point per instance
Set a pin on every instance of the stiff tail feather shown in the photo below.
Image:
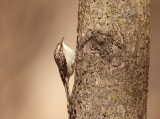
(66, 86)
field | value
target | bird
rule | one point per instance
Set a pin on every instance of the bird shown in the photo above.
(65, 60)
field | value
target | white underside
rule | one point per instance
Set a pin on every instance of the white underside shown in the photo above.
(70, 57)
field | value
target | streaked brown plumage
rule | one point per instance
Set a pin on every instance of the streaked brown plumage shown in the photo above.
(64, 58)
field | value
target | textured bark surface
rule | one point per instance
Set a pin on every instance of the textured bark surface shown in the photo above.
(112, 62)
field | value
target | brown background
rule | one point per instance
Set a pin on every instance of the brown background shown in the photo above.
(30, 86)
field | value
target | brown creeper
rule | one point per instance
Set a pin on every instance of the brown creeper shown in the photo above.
(64, 58)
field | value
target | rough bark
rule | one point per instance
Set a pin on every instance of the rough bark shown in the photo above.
(112, 62)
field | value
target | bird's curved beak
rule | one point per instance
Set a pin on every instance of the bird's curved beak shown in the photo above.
(62, 40)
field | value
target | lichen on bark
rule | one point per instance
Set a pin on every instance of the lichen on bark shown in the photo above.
(112, 60)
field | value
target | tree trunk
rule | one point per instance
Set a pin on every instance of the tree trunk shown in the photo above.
(112, 62)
